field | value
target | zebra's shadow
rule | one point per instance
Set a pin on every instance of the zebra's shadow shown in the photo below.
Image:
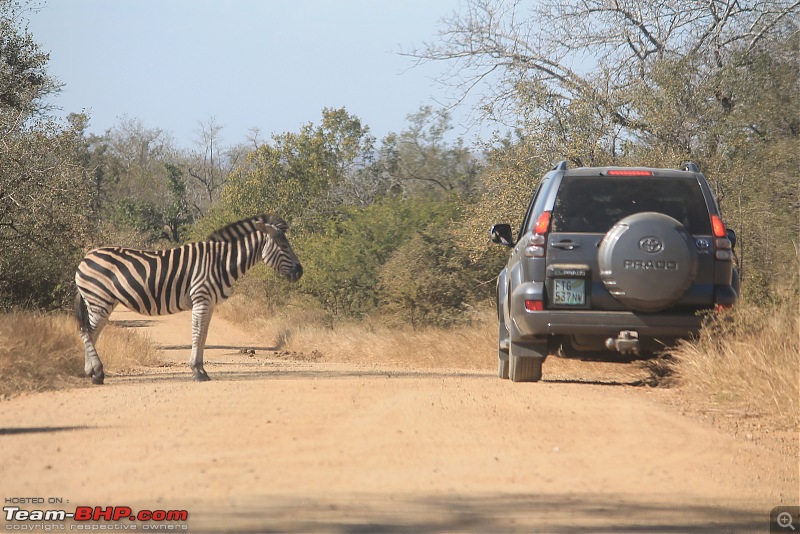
(220, 347)
(132, 323)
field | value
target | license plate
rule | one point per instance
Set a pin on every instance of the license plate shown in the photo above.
(569, 291)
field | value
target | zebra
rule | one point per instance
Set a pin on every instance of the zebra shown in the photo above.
(196, 276)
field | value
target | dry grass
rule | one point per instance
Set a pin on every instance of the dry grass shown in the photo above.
(40, 352)
(747, 359)
(464, 347)
(302, 328)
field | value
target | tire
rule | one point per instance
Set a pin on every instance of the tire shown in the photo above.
(526, 368)
(502, 352)
(502, 366)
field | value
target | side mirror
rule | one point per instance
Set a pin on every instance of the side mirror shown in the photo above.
(502, 235)
(731, 237)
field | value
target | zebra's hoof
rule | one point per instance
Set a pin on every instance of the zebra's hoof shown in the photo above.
(201, 377)
(98, 379)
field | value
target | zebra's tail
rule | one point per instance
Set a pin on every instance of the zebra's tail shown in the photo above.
(81, 313)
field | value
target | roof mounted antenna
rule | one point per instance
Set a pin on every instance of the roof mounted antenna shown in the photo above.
(561, 166)
(689, 166)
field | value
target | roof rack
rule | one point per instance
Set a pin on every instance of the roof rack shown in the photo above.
(561, 166)
(689, 166)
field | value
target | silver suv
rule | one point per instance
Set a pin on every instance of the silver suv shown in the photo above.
(611, 260)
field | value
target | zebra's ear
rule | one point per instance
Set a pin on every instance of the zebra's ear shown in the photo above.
(267, 229)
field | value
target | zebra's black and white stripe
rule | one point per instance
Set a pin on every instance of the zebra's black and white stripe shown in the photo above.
(193, 277)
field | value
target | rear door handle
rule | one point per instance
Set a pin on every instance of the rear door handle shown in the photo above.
(566, 245)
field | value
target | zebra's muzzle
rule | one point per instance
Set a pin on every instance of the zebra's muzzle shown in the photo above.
(295, 273)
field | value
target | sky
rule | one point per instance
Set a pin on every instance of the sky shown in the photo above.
(267, 64)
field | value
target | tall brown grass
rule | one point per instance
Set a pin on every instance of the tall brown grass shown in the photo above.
(301, 327)
(40, 352)
(461, 347)
(747, 359)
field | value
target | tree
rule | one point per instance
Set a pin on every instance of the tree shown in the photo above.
(294, 175)
(210, 165)
(24, 80)
(176, 216)
(140, 192)
(136, 156)
(419, 159)
(45, 197)
(580, 62)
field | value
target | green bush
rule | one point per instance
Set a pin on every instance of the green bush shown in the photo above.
(342, 263)
(428, 281)
(214, 219)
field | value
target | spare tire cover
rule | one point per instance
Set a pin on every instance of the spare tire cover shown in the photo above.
(647, 261)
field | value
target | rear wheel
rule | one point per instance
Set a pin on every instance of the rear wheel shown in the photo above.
(527, 367)
(502, 351)
(502, 367)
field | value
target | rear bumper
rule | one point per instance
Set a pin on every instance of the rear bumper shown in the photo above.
(608, 323)
(604, 323)
(534, 325)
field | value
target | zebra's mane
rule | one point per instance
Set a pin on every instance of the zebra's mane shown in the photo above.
(245, 227)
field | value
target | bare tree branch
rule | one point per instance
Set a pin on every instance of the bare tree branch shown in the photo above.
(770, 25)
(586, 50)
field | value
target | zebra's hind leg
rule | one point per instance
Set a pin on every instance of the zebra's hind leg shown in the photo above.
(90, 330)
(93, 366)
(201, 317)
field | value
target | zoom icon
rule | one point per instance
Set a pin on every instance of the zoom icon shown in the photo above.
(784, 519)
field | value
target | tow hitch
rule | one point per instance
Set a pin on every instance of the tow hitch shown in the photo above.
(626, 343)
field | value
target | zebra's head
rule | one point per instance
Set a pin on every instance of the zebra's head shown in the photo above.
(277, 252)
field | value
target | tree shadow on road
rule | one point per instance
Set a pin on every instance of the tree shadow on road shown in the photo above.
(496, 513)
(284, 370)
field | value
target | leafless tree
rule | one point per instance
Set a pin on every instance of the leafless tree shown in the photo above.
(211, 163)
(588, 50)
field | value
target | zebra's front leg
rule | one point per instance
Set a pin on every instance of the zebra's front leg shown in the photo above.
(201, 317)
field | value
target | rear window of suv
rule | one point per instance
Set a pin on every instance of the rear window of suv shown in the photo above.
(594, 204)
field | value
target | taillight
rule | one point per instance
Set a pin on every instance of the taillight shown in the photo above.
(718, 226)
(542, 223)
(629, 172)
(722, 245)
(538, 241)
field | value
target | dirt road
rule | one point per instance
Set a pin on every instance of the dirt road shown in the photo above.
(276, 443)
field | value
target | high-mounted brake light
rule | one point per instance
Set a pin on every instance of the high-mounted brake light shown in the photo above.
(718, 226)
(629, 172)
(542, 223)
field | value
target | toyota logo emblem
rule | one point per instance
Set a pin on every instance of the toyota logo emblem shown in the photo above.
(651, 245)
